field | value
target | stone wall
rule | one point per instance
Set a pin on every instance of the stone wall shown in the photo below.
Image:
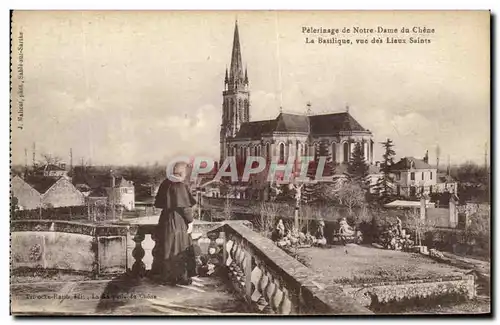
(398, 292)
(68, 246)
(275, 283)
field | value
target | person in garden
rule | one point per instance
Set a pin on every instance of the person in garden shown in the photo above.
(174, 259)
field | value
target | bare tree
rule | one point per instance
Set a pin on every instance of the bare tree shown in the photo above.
(48, 159)
(268, 212)
(351, 195)
(418, 225)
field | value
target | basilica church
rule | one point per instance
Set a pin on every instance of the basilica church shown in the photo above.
(288, 135)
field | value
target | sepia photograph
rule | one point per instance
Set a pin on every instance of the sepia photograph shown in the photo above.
(250, 163)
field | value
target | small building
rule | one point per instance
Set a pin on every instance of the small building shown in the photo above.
(121, 192)
(52, 170)
(47, 192)
(435, 217)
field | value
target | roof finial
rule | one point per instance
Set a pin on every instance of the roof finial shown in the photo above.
(347, 108)
(308, 111)
(281, 109)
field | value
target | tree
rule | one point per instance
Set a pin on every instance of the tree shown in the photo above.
(268, 213)
(357, 168)
(351, 195)
(384, 186)
(48, 159)
(313, 191)
(418, 225)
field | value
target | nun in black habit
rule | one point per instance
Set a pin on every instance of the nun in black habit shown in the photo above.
(174, 261)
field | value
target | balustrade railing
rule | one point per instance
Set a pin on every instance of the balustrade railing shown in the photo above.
(274, 282)
(208, 244)
(270, 280)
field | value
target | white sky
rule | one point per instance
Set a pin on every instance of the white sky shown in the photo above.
(137, 87)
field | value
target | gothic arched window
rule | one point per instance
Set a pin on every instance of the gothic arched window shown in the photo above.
(268, 150)
(241, 110)
(346, 152)
(334, 152)
(282, 152)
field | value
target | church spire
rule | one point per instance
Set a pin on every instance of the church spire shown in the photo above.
(226, 78)
(236, 70)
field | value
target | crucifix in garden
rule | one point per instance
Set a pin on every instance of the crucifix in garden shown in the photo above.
(297, 187)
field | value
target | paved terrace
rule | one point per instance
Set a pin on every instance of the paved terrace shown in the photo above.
(124, 296)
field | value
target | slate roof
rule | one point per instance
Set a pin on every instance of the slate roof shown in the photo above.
(41, 183)
(325, 124)
(98, 192)
(50, 167)
(405, 163)
(296, 123)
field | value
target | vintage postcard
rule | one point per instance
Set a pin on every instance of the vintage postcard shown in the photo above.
(250, 163)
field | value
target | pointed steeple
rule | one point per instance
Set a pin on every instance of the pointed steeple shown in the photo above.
(246, 76)
(236, 70)
(226, 78)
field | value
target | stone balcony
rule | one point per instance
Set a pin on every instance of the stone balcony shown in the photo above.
(253, 275)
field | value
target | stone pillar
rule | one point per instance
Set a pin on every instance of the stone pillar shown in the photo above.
(423, 207)
(453, 213)
(366, 151)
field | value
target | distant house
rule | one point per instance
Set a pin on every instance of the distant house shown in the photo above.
(51, 170)
(40, 191)
(413, 176)
(122, 193)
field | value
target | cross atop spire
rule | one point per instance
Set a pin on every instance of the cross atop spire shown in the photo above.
(308, 111)
(236, 70)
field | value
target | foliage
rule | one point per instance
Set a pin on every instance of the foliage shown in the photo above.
(357, 168)
(351, 195)
(418, 226)
(267, 215)
(62, 213)
(14, 204)
(384, 186)
(478, 231)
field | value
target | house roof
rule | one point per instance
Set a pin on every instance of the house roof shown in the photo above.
(296, 123)
(406, 163)
(41, 183)
(98, 192)
(406, 204)
(50, 167)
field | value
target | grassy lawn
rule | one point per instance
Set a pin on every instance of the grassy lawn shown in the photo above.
(365, 264)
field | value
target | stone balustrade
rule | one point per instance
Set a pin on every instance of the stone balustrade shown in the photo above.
(208, 243)
(271, 281)
(274, 282)
(98, 250)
